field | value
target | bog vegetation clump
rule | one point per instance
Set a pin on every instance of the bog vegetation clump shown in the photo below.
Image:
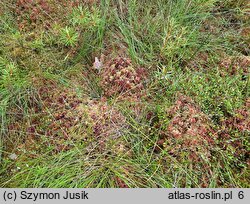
(104, 93)
(119, 77)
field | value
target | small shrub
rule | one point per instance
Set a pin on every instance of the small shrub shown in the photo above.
(217, 94)
(69, 37)
(82, 16)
